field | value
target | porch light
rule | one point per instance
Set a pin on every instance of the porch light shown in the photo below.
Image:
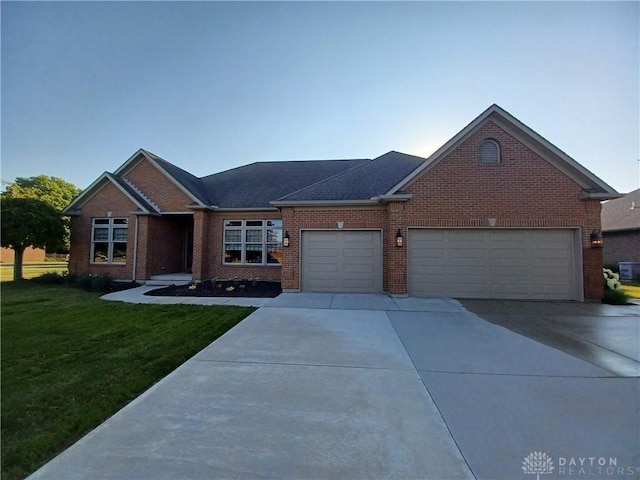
(285, 239)
(596, 239)
(399, 239)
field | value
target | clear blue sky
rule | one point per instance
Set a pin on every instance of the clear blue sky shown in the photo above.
(211, 85)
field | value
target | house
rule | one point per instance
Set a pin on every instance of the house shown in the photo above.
(621, 229)
(496, 212)
(30, 255)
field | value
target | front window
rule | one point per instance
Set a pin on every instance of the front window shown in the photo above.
(253, 242)
(109, 240)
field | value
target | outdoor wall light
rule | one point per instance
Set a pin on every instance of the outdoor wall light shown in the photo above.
(285, 239)
(596, 239)
(399, 239)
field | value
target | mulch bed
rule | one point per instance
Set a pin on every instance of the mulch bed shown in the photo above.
(221, 288)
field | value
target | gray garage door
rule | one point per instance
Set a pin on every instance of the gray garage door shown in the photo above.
(509, 264)
(341, 261)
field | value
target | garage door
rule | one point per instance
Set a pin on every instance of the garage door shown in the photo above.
(510, 264)
(341, 261)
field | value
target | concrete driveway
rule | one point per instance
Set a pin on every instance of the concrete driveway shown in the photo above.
(369, 386)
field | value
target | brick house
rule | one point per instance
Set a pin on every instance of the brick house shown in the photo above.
(621, 229)
(496, 212)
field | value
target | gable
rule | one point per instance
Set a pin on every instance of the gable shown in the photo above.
(145, 177)
(591, 185)
(522, 185)
(109, 198)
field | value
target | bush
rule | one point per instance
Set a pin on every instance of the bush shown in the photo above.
(51, 278)
(615, 297)
(93, 283)
(613, 293)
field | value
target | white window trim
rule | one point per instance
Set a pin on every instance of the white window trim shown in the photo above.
(110, 226)
(243, 243)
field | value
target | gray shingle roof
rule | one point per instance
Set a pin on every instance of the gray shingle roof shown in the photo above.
(135, 195)
(618, 215)
(258, 184)
(255, 185)
(369, 179)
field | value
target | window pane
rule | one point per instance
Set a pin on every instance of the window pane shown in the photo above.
(101, 221)
(234, 236)
(101, 252)
(274, 236)
(254, 223)
(274, 253)
(233, 223)
(254, 236)
(232, 253)
(120, 221)
(119, 253)
(274, 223)
(120, 234)
(101, 234)
(254, 253)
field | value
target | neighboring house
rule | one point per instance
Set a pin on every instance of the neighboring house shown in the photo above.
(621, 229)
(7, 255)
(496, 212)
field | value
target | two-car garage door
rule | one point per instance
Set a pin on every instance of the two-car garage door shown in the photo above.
(341, 261)
(492, 263)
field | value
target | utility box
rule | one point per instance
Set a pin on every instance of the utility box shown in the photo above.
(629, 270)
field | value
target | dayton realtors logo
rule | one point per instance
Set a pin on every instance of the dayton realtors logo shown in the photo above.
(537, 463)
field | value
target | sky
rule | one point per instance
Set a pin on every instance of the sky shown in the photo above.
(210, 86)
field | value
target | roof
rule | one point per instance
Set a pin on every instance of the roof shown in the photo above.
(263, 185)
(622, 213)
(255, 185)
(381, 174)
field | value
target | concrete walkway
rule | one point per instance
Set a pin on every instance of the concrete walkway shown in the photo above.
(365, 387)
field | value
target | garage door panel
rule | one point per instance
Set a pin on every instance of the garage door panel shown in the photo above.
(353, 261)
(493, 263)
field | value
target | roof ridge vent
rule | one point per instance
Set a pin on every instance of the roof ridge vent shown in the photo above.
(139, 192)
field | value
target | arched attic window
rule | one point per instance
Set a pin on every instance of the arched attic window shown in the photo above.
(490, 152)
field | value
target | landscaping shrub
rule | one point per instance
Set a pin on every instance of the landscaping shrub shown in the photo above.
(53, 278)
(613, 293)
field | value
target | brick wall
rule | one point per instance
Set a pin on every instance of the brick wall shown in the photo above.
(30, 254)
(157, 187)
(296, 219)
(108, 199)
(212, 250)
(621, 246)
(524, 191)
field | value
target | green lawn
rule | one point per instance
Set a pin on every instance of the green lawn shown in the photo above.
(31, 270)
(71, 360)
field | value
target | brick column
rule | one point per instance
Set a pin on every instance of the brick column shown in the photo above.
(396, 257)
(592, 258)
(200, 231)
(289, 273)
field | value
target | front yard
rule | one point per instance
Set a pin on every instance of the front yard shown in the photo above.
(71, 360)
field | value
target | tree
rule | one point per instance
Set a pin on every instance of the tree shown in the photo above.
(29, 222)
(54, 191)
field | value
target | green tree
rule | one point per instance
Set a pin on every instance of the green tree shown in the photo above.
(54, 191)
(29, 222)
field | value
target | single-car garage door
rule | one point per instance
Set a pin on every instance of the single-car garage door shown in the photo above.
(341, 261)
(509, 264)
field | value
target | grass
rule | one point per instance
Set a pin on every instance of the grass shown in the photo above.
(31, 270)
(71, 360)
